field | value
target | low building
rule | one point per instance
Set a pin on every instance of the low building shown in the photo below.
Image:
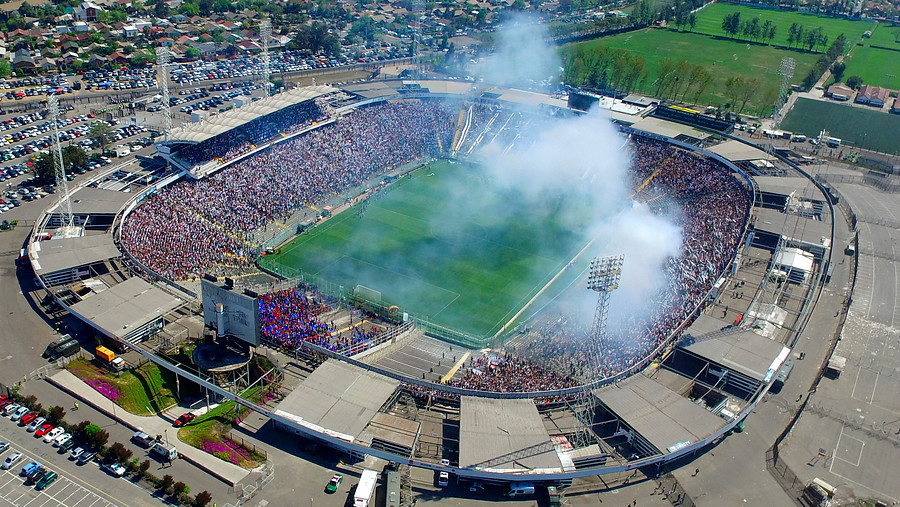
(896, 107)
(839, 91)
(874, 96)
(129, 31)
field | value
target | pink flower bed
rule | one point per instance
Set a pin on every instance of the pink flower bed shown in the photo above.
(236, 453)
(105, 388)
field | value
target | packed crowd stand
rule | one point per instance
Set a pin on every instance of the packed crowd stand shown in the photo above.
(195, 227)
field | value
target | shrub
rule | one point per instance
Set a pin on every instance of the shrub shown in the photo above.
(167, 482)
(202, 498)
(178, 488)
(145, 466)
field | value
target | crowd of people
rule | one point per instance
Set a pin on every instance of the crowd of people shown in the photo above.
(206, 226)
(289, 319)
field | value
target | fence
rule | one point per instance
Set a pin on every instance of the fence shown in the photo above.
(669, 486)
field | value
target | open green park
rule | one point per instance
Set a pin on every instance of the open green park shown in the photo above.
(855, 126)
(722, 57)
(877, 59)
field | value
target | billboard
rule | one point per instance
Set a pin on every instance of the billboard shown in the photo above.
(239, 312)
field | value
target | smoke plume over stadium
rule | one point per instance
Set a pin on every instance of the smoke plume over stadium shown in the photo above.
(577, 170)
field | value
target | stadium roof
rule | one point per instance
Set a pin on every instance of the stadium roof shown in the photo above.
(126, 307)
(736, 151)
(221, 123)
(524, 97)
(338, 399)
(786, 185)
(665, 419)
(492, 428)
(740, 350)
(668, 128)
(67, 253)
(96, 201)
(794, 227)
(374, 89)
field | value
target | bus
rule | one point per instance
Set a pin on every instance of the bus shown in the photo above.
(365, 490)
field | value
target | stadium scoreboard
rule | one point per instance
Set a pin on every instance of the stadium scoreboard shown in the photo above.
(229, 308)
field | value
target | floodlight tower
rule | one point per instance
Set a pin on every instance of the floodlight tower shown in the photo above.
(265, 34)
(787, 72)
(62, 183)
(163, 58)
(418, 12)
(603, 278)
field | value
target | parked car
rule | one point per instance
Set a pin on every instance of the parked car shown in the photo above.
(31, 467)
(27, 418)
(77, 453)
(66, 446)
(11, 460)
(58, 441)
(11, 409)
(114, 469)
(43, 430)
(18, 414)
(35, 424)
(47, 480)
(52, 434)
(4, 446)
(35, 476)
(184, 419)
(86, 457)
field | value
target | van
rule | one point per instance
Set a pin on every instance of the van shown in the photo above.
(799, 138)
(165, 451)
(782, 376)
(517, 489)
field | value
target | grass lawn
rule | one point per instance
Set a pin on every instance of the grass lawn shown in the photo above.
(856, 126)
(709, 21)
(423, 249)
(721, 57)
(208, 432)
(133, 390)
(876, 65)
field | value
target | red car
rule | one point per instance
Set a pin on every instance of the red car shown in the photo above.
(43, 430)
(3, 397)
(5, 402)
(27, 418)
(184, 419)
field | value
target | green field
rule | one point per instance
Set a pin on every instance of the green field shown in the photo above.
(876, 65)
(721, 57)
(856, 126)
(444, 247)
(709, 21)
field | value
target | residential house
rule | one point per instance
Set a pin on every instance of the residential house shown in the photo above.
(117, 58)
(23, 61)
(130, 31)
(80, 26)
(87, 11)
(874, 96)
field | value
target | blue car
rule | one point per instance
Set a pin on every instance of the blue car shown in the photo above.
(29, 468)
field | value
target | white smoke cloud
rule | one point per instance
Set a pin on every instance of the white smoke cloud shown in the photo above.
(522, 56)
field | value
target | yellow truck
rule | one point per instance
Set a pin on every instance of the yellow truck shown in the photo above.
(109, 359)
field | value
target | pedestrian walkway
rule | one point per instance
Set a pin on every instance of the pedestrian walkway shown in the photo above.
(154, 425)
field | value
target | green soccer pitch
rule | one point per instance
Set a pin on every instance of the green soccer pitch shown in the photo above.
(443, 246)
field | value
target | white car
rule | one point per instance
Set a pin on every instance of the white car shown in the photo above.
(114, 468)
(19, 413)
(60, 440)
(12, 408)
(55, 432)
(35, 424)
(11, 460)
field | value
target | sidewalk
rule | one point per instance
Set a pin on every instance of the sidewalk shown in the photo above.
(155, 425)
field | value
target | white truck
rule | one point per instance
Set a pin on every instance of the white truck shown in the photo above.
(365, 490)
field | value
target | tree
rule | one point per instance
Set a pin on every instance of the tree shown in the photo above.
(99, 134)
(192, 53)
(665, 76)
(768, 30)
(364, 28)
(161, 9)
(189, 9)
(167, 482)
(837, 70)
(120, 453)
(98, 438)
(854, 82)
(731, 24)
(733, 88)
(5, 68)
(56, 414)
(768, 99)
(79, 431)
(747, 91)
(813, 37)
(144, 467)
(202, 498)
(799, 36)
(74, 157)
(692, 21)
(315, 38)
(179, 488)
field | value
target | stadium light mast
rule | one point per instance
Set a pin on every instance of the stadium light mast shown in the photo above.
(265, 35)
(65, 204)
(419, 12)
(787, 72)
(163, 58)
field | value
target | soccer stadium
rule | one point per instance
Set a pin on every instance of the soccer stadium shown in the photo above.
(440, 297)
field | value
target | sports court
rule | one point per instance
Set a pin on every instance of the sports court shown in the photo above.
(442, 244)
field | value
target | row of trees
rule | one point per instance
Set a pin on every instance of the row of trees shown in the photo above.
(798, 35)
(825, 62)
(754, 29)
